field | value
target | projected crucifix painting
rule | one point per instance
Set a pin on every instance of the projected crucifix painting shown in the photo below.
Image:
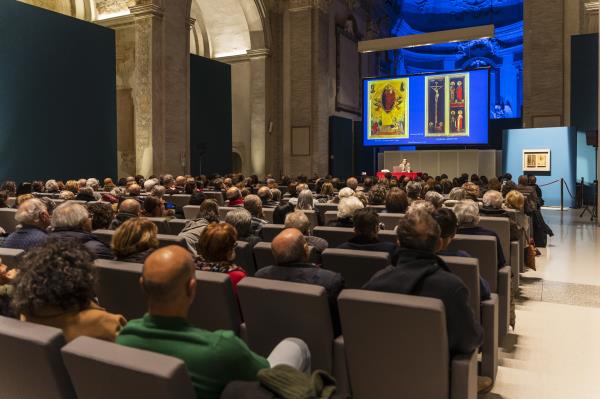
(446, 105)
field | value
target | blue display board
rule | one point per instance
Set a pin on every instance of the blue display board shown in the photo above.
(428, 109)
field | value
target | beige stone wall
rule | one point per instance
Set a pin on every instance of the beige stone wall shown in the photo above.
(61, 6)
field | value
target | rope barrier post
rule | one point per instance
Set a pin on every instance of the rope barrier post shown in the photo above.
(562, 205)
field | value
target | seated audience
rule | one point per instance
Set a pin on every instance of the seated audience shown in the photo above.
(4, 199)
(241, 219)
(150, 184)
(420, 272)
(191, 232)
(434, 198)
(471, 191)
(492, 204)
(129, 208)
(108, 184)
(346, 209)
(345, 192)
(55, 287)
(253, 204)
(413, 191)
(448, 224)
(366, 227)
(158, 191)
(197, 198)
(299, 220)
(234, 196)
(66, 195)
(134, 190)
(71, 221)
(326, 192)
(281, 212)
(102, 215)
(352, 183)
(457, 194)
(290, 251)
(305, 200)
(51, 186)
(266, 196)
(85, 194)
(34, 219)
(396, 201)
(216, 251)
(154, 207)
(377, 195)
(134, 240)
(467, 214)
(10, 187)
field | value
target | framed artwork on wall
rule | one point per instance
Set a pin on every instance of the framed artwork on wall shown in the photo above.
(536, 160)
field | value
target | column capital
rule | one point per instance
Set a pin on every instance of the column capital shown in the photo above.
(147, 10)
(257, 53)
(592, 7)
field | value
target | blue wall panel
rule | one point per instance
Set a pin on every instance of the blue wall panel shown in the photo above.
(562, 142)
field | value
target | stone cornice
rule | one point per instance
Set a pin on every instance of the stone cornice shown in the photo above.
(117, 22)
(592, 7)
(301, 5)
(147, 10)
(256, 53)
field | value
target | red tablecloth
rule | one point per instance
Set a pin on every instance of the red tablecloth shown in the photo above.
(399, 175)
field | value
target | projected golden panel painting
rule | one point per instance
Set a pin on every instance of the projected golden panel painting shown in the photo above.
(388, 109)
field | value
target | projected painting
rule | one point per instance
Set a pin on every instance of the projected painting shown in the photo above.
(446, 105)
(388, 109)
(503, 54)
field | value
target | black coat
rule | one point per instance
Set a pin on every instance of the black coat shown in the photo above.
(424, 274)
(94, 245)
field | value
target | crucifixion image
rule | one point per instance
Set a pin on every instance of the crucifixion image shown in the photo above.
(436, 86)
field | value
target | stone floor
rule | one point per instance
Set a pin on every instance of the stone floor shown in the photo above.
(554, 351)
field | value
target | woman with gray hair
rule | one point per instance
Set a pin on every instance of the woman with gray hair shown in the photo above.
(457, 194)
(305, 200)
(52, 186)
(346, 210)
(467, 215)
(71, 221)
(436, 199)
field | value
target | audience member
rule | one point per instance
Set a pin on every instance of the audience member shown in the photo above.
(377, 195)
(3, 199)
(346, 209)
(134, 240)
(191, 232)
(352, 183)
(55, 287)
(154, 207)
(34, 219)
(66, 195)
(102, 215)
(10, 187)
(71, 221)
(290, 251)
(234, 196)
(266, 196)
(108, 184)
(299, 220)
(197, 198)
(434, 198)
(281, 212)
(241, 219)
(129, 208)
(305, 200)
(457, 194)
(396, 201)
(85, 194)
(253, 204)
(51, 186)
(413, 191)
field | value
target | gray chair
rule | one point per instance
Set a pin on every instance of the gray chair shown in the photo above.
(263, 255)
(484, 311)
(390, 220)
(176, 225)
(329, 216)
(101, 369)
(512, 250)
(214, 307)
(388, 236)
(31, 365)
(322, 208)
(274, 310)
(11, 257)
(216, 196)
(376, 208)
(179, 200)
(334, 235)
(312, 218)
(164, 240)
(162, 224)
(484, 249)
(191, 211)
(268, 212)
(397, 347)
(223, 211)
(245, 258)
(270, 231)
(356, 267)
(7, 219)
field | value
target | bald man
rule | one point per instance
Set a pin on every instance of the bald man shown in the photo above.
(212, 358)
(234, 196)
(291, 256)
(129, 208)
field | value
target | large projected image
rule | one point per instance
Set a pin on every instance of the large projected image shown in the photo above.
(434, 109)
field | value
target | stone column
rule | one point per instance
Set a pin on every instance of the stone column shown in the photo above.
(258, 111)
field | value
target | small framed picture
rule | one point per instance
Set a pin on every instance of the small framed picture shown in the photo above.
(536, 160)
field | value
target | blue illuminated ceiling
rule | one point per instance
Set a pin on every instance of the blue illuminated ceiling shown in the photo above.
(503, 54)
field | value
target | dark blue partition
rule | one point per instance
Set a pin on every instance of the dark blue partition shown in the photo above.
(57, 96)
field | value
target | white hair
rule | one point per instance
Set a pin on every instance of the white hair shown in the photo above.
(348, 206)
(29, 212)
(345, 193)
(69, 215)
(66, 195)
(297, 220)
(149, 185)
(467, 213)
(457, 194)
(492, 199)
(51, 185)
(435, 198)
(421, 206)
(93, 183)
(305, 200)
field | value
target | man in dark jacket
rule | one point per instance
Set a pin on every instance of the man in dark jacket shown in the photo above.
(34, 219)
(291, 253)
(71, 221)
(420, 272)
(366, 226)
(129, 208)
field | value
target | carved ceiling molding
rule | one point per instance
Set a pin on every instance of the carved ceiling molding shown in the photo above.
(592, 7)
(147, 10)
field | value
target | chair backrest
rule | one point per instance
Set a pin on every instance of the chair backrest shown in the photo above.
(484, 249)
(313, 218)
(214, 307)
(334, 235)
(244, 257)
(468, 271)
(396, 345)
(356, 267)
(11, 201)
(388, 236)
(270, 231)
(101, 369)
(274, 310)
(191, 211)
(176, 225)
(216, 196)
(11, 257)
(31, 365)
(390, 220)
(376, 208)
(223, 211)
(322, 208)
(268, 212)
(501, 226)
(164, 240)
(7, 219)
(329, 216)
(162, 224)
(263, 255)
(179, 200)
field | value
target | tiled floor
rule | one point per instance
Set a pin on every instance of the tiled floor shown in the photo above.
(555, 349)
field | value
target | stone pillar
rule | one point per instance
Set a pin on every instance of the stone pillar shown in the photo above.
(258, 111)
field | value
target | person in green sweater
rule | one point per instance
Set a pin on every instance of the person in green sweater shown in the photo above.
(212, 358)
